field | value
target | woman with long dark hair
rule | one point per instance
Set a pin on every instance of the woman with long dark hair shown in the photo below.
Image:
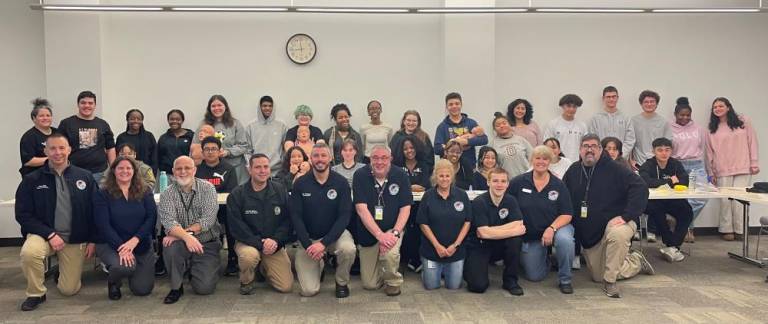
(520, 115)
(234, 142)
(410, 124)
(732, 156)
(124, 211)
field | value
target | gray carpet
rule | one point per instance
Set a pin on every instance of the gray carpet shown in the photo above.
(708, 287)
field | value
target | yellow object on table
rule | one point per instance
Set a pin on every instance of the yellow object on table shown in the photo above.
(681, 187)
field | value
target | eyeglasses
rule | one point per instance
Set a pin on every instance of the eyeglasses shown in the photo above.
(210, 150)
(588, 147)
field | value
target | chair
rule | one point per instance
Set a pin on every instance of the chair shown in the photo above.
(763, 229)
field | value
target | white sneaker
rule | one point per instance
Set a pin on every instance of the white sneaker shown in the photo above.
(667, 253)
(677, 256)
(651, 237)
(576, 264)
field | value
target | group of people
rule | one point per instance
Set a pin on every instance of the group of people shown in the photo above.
(301, 198)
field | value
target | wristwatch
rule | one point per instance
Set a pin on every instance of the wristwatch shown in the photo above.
(396, 232)
(554, 230)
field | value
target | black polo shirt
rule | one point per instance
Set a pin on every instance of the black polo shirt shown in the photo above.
(445, 217)
(540, 208)
(419, 175)
(393, 195)
(485, 213)
(464, 177)
(320, 211)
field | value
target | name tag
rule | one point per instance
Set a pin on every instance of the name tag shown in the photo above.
(306, 194)
(379, 213)
(583, 209)
(526, 190)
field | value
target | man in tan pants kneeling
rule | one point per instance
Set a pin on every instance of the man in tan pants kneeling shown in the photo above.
(54, 209)
(257, 212)
(383, 201)
(607, 200)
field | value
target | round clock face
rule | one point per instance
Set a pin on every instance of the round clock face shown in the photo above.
(301, 48)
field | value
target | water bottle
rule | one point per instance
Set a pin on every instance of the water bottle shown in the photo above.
(692, 181)
(163, 181)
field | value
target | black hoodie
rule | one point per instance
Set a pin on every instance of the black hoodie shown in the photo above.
(614, 191)
(655, 176)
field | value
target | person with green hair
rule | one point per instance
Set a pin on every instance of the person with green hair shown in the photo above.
(303, 115)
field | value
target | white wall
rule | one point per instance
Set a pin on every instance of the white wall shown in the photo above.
(22, 63)
(159, 61)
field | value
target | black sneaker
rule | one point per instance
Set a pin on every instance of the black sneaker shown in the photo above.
(515, 290)
(160, 268)
(232, 269)
(174, 295)
(113, 291)
(342, 291)
(31, 303)
(566, 288)
(247, 289)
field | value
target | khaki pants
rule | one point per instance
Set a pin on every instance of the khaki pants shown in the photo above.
(276, 267)
(309, 270)
(732, 212)
(33, 254)
(610, 260)
(376, 269)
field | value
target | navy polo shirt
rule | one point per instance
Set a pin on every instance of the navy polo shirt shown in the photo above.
(445, 217)
(485, 213)
(395, 194)
(540, 208)
(419, 175)
(320, 211)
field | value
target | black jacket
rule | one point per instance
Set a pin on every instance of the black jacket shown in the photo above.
(169, 147)
(251, 219)
(656, 177)
(614, 191)
(36, 203)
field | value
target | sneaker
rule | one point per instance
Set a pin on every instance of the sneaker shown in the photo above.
(666, 253)
(566, 288)
(677, 256)
(576, 264)
(104, 267)
(611, 290)
(247, 289)
(392, 290)
(31, 303)
(515, 290)
(689, 238)
(113, 291)
(651, 237)
(342, 291)
(231, 269)
(645, 266)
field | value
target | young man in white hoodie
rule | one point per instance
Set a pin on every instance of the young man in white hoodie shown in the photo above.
(266, 134)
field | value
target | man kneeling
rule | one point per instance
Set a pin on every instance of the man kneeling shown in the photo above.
(257, 212)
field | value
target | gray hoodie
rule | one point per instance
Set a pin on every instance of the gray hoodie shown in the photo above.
(266, 136)
(616, 124)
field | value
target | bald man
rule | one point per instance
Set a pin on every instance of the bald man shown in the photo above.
(187, 211)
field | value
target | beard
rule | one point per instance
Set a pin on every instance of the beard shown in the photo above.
(320, 167)
(589, 160)
(184, 182)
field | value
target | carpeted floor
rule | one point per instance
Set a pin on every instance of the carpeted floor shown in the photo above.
(708, 287)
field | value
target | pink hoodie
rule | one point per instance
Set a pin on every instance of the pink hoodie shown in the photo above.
(732, 152)
(689, 141)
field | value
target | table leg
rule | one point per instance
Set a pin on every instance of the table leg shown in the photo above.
(744, 257)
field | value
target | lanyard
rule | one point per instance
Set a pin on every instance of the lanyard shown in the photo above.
(380, 191)
(589, 179)
(187, 207)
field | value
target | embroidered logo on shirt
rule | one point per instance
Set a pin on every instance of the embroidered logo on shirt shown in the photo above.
(332, 194)
(526, 190)
(459, 206)
(552, 195)
(503, 213)
(42, 187)
(80, 184)
(251, 212)
(394, 189)
(277, 210)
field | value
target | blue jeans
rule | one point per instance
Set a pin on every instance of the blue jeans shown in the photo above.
(696, 167)
(433, 270)
(536, 261)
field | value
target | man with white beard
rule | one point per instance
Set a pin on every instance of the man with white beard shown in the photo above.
(187, 211)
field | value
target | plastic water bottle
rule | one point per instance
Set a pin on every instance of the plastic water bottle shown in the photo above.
(692, 181)
(163, 181)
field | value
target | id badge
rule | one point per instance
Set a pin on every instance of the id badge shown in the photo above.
(379, 213)
(431, 264)
(583, 209)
